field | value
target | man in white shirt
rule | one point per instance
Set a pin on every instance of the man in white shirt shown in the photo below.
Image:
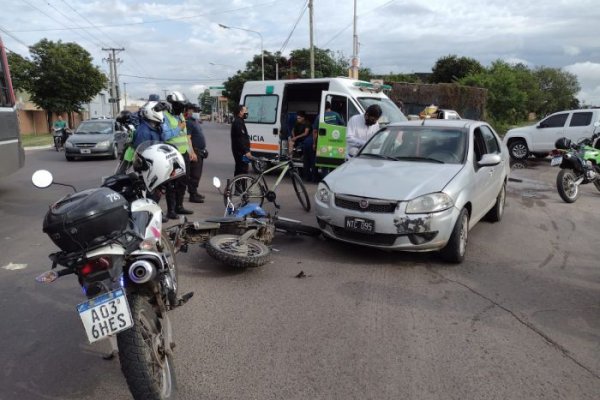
(362, 127)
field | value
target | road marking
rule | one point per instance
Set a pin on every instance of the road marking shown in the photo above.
(14, 267)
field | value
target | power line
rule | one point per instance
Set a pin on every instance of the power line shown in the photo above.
(101, 43)
(350, 24)
(156, 20)
(285, 43)
(14, 37)
(172, 79)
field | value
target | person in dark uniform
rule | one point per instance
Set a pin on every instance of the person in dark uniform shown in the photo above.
(240, 141)
(194, 130)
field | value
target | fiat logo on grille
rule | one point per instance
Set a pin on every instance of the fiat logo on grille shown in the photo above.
(363, 203)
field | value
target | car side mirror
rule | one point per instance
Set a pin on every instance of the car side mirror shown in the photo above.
(353, 152)
(489, 160)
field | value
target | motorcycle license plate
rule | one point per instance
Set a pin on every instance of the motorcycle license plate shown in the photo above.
(556, 161)
(105, 315)
(85, 151)
(362, 225)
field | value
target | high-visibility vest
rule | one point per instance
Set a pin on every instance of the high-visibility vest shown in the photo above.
(180, 141)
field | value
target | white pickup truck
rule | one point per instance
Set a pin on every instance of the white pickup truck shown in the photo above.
(539, 139)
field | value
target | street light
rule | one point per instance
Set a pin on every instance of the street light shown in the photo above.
(262, 53)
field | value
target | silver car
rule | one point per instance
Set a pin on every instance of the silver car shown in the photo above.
(417, 186)
(96, 138)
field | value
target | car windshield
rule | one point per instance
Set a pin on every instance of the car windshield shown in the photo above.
(418, 143)
(95, 127)
(391, 113)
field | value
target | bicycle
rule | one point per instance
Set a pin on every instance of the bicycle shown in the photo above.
(244, 189)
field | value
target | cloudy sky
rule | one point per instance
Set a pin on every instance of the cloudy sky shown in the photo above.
(178, 45)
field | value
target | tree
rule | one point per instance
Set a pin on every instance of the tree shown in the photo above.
(20, 71)
(61, 77)
(452, 68)
(558, 90)
(205, 102)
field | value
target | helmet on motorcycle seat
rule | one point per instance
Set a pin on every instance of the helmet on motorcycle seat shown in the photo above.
(158, 163)
(152, 112)
(563, 143)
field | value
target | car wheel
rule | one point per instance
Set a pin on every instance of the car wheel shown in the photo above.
(518, 149)
(455, 249)
(496, 213)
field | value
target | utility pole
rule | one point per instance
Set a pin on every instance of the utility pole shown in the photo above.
(114, 80)
(312, 47)
(125, 93)
(355, 60)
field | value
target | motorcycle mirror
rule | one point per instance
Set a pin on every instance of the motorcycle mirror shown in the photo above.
(216, 182)
(42, 178)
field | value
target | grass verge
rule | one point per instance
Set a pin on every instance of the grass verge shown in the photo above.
(36, 140)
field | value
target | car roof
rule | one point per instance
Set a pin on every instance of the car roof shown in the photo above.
(448, 123)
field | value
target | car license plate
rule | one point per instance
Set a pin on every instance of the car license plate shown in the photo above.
(105, 315)
(556, 161)
(85, 151)
(360, 225)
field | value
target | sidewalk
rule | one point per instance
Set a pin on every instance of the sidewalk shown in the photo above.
(48, 146)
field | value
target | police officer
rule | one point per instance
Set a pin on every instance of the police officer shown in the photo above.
(175, 133)
(194, 129)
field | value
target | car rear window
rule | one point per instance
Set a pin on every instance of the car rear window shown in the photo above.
(581, 119)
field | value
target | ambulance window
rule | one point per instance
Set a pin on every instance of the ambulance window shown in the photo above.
(352, 110)
(262, 109)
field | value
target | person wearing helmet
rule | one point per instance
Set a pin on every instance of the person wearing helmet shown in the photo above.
(150, 125)
(362, 127)
(158, 163)
(175, 133)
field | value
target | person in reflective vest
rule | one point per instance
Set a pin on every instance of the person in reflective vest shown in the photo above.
(175, 133)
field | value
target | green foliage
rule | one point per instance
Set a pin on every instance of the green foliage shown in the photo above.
(514, 91)
(20, 71)
(558, 90)
(452, 68)
(60, 76)
(205, 102)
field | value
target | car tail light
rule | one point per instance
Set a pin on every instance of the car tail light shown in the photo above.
(98, 264)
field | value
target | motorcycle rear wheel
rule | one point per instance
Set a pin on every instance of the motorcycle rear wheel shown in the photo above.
(565, 184)
(228, 250)
(147, 367)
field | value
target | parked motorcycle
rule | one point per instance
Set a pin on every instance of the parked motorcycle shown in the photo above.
(579, 163)
(112, 239)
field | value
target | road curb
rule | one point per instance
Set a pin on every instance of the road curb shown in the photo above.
(38, 147)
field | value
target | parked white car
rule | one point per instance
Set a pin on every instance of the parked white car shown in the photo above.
(417, 186)
(539, 139)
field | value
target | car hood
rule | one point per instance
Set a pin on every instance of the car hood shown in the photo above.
(90, 138)
(390, 180)
(521, 129)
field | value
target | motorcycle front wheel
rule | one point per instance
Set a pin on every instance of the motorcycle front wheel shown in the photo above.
(57, 143)
(229, 250)
(567, 188)
(147, 367)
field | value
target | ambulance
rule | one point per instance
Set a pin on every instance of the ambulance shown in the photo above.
(272, 108)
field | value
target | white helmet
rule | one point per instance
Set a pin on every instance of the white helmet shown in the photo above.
(158, 163)
(149, 112)
(176, 96)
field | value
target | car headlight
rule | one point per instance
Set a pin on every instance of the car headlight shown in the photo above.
(429, 203)
(323, 192)
(103, 144)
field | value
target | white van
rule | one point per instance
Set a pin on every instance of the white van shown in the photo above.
(272, 107)
(539, 139)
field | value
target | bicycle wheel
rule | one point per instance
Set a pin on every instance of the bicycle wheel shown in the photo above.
(243, 189)
(300, 191)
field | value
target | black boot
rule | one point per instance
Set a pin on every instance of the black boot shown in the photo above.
(171, 203)
(196, 198)
(180, 194)
(181, 210)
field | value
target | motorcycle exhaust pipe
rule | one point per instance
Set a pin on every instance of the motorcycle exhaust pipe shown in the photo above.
(141, 271)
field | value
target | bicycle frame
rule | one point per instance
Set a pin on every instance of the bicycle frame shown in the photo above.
(284, 166)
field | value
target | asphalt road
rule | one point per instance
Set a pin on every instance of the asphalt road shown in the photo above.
(519, 319)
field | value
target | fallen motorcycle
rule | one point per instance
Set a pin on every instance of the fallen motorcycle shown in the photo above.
(580, 165)
(112, 239)
(241, 237)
